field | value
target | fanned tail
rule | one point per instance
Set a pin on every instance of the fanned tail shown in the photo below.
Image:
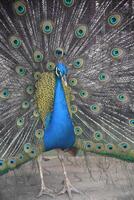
(20, 64)
(102, 79)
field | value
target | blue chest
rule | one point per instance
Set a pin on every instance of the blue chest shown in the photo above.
(60, 131)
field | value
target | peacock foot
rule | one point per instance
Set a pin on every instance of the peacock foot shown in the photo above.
(68, 188)
(46, 191)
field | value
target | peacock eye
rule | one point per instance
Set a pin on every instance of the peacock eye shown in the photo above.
(21, 71)
(20, 8)
(131, 122)
(98, 136)
(47, 27)
(20, 157)
(25, 104)
(38, 56)
(117, 53)
(104, 77)
(68, 3)
(78, 63)
(110, 147)
(59, 53)
(95, 108)
(78, 130)
(74, 109)
(81, 31)
(124, 146)
(88, 145)
(27, 148)
(99, 147)
(73, 82)
(20, 121)
(5, 94)
(114, 20)
(15, 42)
(11, 163)
(33, 153)
(122, 98)
(39, 133)
(50, 66)
(30, 89)
(37, 75)
(2, 164)
(83, 93)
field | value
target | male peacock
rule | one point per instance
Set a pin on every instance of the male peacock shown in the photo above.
(66, 80)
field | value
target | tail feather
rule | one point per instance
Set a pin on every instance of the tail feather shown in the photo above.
(103, 90)
(26, 155)
(122, 151)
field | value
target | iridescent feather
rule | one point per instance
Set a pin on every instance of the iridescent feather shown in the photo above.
(98, 51)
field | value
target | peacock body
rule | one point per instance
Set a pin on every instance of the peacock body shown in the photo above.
(41, 44)
(59, 120)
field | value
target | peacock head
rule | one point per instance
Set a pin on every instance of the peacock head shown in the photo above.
(61, 72)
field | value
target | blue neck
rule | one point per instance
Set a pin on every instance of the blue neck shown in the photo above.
(60, 131)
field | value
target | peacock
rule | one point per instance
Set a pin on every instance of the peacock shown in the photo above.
(66, 81)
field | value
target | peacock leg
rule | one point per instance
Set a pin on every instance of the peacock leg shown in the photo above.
(44, 190)
(68, 187)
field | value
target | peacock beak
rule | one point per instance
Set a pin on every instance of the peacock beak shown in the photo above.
(64, 79)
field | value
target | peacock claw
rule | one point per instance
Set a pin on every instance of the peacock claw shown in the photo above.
(46, 191)
(68, 188)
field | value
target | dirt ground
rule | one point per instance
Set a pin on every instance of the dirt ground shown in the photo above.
(106, 179)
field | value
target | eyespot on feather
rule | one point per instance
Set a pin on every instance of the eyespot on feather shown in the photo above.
(81, 31)
(5, 94)
(39, 133)
(47, 27)
(20, 8)
(68, 3)
(38, 56)
(114, 20)
(78, 63)
(78, 130)
(21, 71)
(20, 121)
(27, 148)
(15, 42)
